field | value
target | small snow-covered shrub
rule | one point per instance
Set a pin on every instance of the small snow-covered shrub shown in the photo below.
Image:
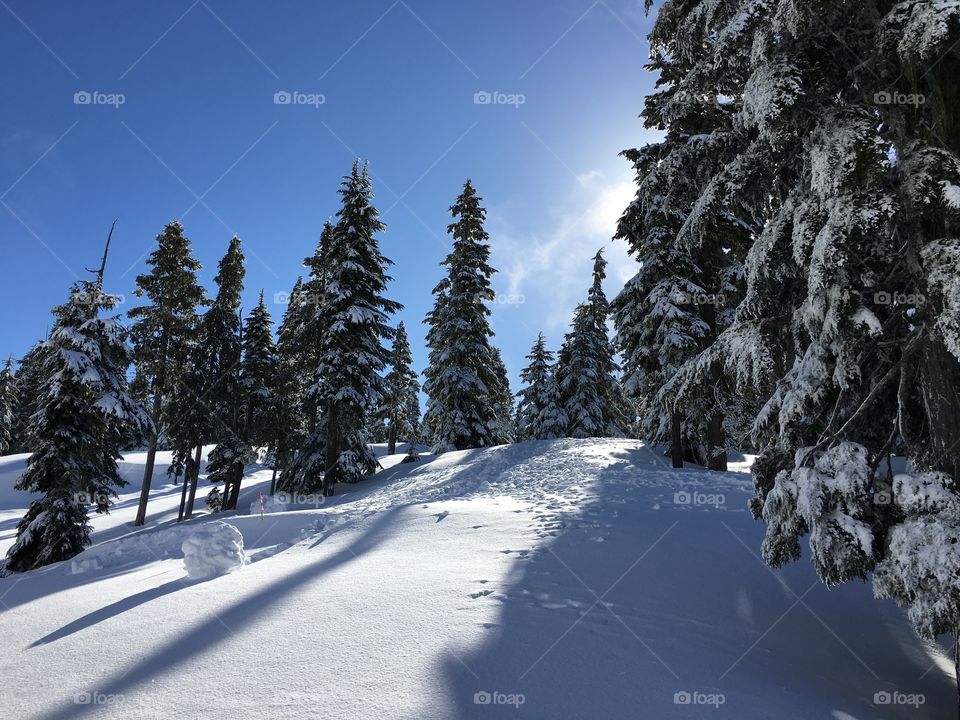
(212, 549)
(215, 500)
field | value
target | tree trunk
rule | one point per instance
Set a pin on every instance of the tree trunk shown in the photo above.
(151, 459)
(238, 480)
(716, 439)
(310, 409)
(194, 477)
(332, 451)
(280, 463)
(187, 470)
(940, 384)
(232, 487)
(676, 441)
(392, 438)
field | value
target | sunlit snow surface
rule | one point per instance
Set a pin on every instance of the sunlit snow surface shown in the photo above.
(552, 579)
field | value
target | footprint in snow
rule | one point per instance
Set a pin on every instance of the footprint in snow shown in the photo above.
(441, 516)
(481, 593)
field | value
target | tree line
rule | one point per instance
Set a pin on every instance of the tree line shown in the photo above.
(307, 398)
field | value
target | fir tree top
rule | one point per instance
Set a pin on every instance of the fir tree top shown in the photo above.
(595, 296)
(173, 296)
(229, 278)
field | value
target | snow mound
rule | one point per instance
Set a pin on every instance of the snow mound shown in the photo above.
(138, 548)
(213, 549)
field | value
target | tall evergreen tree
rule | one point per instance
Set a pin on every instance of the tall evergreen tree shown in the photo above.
(8, 406)
(401, 384)
(690, 246)
(291, 427)
(464, 385)
(222, 337)
(351, 351)
(78, 430)
(161, 332)
(503, 401)
(589, 390)
(850, 323)
(414, 424)
(301, 335)
(313, 324)
(540, 414)
(192, 421)
(259, 374)
(29, 393)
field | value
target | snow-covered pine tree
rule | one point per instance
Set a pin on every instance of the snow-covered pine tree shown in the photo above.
(224, 397)
(690, 274)
(503, 400)
(162, 330)
(259, 375)
(590, 392)
(191, 422)
(291, 426)
(301, 335)
(77, 430)
(540, 414)
(8, 405)
(413, 413)
(376, 428)
(29, 391)
(463, 384)
(401, 383)
(700, 122)
(351, 352)
(313, 324)
(852, 308)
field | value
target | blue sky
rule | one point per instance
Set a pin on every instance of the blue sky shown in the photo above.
(182, 122)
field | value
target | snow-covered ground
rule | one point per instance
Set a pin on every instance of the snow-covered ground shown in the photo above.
(551, 579)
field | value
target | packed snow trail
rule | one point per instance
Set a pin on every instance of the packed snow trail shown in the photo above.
(549, 579)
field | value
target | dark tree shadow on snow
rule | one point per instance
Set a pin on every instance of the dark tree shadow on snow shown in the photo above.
(112, 610)
(676, 600)
(207, 634)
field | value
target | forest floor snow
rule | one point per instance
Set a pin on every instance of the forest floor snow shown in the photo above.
(549, 579)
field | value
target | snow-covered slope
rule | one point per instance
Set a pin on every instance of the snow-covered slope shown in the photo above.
(552, 579)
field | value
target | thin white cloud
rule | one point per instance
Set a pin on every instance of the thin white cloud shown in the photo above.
(551, 268)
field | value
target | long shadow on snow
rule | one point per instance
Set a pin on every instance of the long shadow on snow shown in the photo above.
(206, 635)
(146, 596)
(676, 600)
(22, 588)
(112, 610)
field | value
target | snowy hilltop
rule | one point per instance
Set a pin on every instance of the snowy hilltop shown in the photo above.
(544, 579)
